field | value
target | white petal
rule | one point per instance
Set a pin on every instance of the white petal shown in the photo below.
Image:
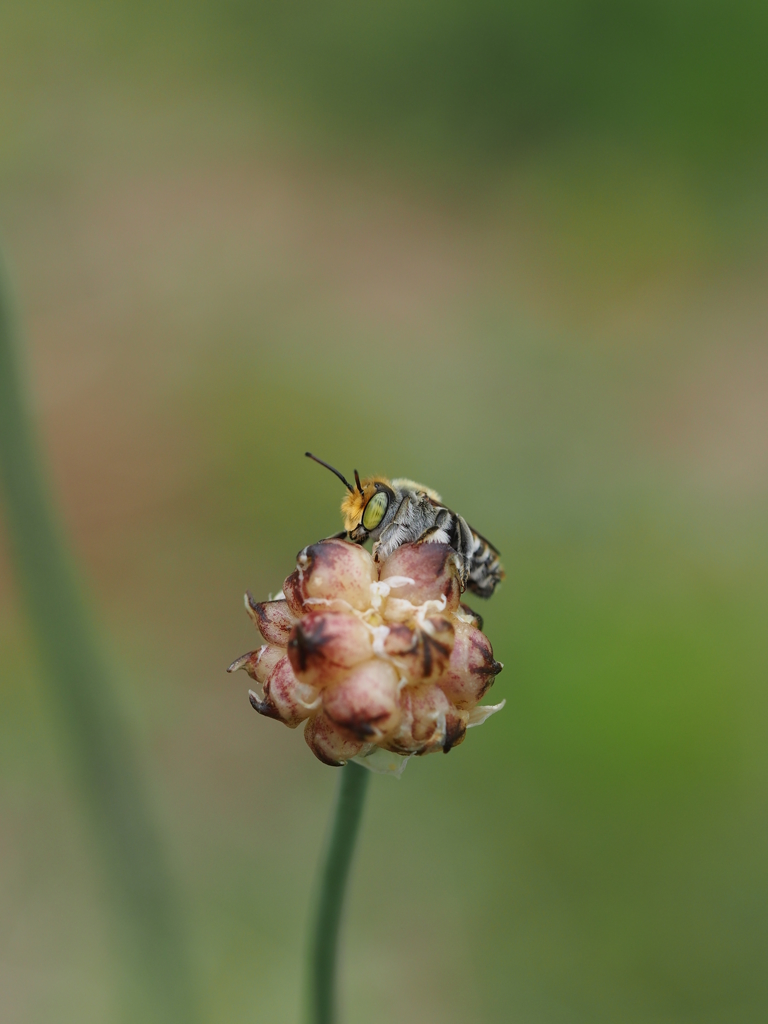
(380, 634)
(393, 582)
(482, 713)
(382, 762)
(380, 589)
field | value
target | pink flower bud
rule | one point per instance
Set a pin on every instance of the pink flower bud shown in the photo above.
(285, 697)
(293, 594)
(365, 702)
(273, 619)
(332, 574)
(429, 722)
(329, 743)
(323, 644)
(472, 669)
(421, 652)
(433, 570)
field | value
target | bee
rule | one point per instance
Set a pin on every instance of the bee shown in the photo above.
(395, 512)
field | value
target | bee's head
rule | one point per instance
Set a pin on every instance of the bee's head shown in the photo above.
(365, 509)
(366, 505)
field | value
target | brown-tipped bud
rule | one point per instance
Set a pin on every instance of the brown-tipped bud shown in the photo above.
(258, 664)
(365, 702)
(329, 743)
(293, 700)
(332, 574)
(273, 619)
(421, 652)
(429, 722)
(432, 570)
(264, 706)
(455, 730)
(472, 669)
(323, 645)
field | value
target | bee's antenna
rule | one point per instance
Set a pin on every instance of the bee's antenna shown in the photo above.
(357, 481)
(346, 483)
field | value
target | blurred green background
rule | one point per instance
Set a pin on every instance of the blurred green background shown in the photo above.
(515, 251)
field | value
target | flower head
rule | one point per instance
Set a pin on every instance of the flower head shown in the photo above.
(379, 659)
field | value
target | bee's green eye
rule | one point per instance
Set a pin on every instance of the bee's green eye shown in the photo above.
(375, 509)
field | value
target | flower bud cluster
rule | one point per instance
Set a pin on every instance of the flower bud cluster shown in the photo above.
(371, 656)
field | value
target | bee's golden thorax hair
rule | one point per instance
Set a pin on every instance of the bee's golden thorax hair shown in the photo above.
(353, 504)
(404, 484)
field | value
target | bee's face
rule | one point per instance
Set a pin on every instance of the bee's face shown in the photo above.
(367, 513)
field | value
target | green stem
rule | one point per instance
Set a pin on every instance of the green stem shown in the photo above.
(84, 700)
(333, 882)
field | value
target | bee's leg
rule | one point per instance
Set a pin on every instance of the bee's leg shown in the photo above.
(392, 536)
(336, 536)
(441, 532)
(447, 530)
(464, 543)
(402, 530)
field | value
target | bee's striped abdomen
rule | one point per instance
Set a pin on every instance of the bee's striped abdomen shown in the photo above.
(481, 559)
(485, 569)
